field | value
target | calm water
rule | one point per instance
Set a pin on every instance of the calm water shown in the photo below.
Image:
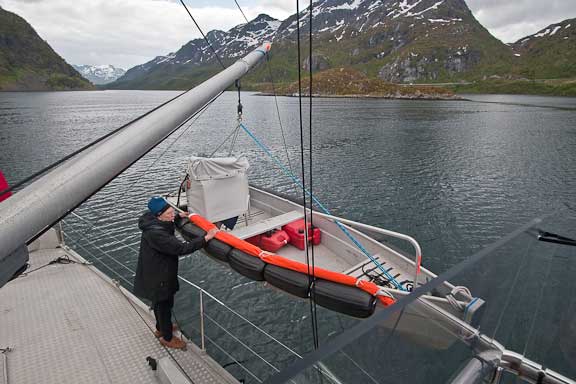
(456, 175)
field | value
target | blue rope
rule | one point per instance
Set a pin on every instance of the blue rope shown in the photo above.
(322, 207)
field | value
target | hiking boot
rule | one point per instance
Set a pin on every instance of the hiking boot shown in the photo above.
(175, 343)
(158, 334)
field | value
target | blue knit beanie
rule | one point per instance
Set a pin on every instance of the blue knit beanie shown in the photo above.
(157, 205)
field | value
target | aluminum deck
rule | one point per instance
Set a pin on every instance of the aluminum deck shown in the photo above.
(68, 323)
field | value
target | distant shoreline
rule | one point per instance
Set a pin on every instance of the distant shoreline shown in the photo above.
(459, 96)
(387, 96)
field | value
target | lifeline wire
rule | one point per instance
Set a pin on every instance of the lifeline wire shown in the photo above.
(151, 330)
(92, 225)
(353, 334)
(544, 284)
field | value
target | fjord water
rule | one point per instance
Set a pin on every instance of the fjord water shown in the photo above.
(456, 175)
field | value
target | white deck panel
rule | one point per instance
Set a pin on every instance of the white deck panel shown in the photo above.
(67, 324)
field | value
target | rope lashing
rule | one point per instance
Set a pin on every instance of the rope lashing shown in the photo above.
(322, 207)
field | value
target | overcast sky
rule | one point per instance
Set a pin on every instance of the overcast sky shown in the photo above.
(130, 32)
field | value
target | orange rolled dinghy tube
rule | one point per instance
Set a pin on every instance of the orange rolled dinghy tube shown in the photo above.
(225, 237)
(283, 262)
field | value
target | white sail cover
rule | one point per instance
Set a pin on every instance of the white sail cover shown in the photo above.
(218, 187)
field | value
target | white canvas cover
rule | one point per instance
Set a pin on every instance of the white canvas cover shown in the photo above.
(218, 188)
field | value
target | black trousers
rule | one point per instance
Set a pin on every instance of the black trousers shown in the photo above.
(163, 314)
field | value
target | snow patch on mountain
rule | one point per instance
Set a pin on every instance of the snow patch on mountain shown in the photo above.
(100, 74)
(555, 30)
(552, 30)
(542, 34)
(405, 9)
(354, 5)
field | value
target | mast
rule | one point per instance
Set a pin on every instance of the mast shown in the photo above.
(42, 203)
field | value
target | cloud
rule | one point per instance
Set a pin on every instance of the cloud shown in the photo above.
(512, 20)
(124, 33)
(130, 32)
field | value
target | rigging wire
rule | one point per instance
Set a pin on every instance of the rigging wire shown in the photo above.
(178, 323)
(67, 260)
(62, 160)
(239, 119)
(195, 116)
(269, 67)
(300, 184)
(59, 260)
(203, 35)
(241, 11)
(233, 132)
(291, 172)
(152, 330)
(306, 232)
(41, 232)
(119, 287)
(310, 165)
(91, 144)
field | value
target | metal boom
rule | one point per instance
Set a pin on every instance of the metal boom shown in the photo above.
(40, 204)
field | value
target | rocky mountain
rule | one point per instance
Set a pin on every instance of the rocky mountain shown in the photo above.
(195, 60)
(549, 53)
(28, 63)
(399, 41)
(100, 74)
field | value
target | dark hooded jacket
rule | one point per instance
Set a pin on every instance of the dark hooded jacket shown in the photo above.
(157, 271)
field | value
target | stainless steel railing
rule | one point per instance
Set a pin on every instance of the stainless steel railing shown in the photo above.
(385, 232)
(74, 238)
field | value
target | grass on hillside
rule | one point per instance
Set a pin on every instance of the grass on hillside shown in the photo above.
(349, 82)
(520, 87)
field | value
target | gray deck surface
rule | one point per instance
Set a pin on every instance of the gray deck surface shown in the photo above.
(67, 324)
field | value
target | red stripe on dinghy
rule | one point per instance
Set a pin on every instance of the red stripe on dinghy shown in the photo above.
(283, 262)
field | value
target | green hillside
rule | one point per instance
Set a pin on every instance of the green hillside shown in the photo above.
(28, 63)
(549, 53)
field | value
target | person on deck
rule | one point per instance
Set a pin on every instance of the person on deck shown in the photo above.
(157, 271)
